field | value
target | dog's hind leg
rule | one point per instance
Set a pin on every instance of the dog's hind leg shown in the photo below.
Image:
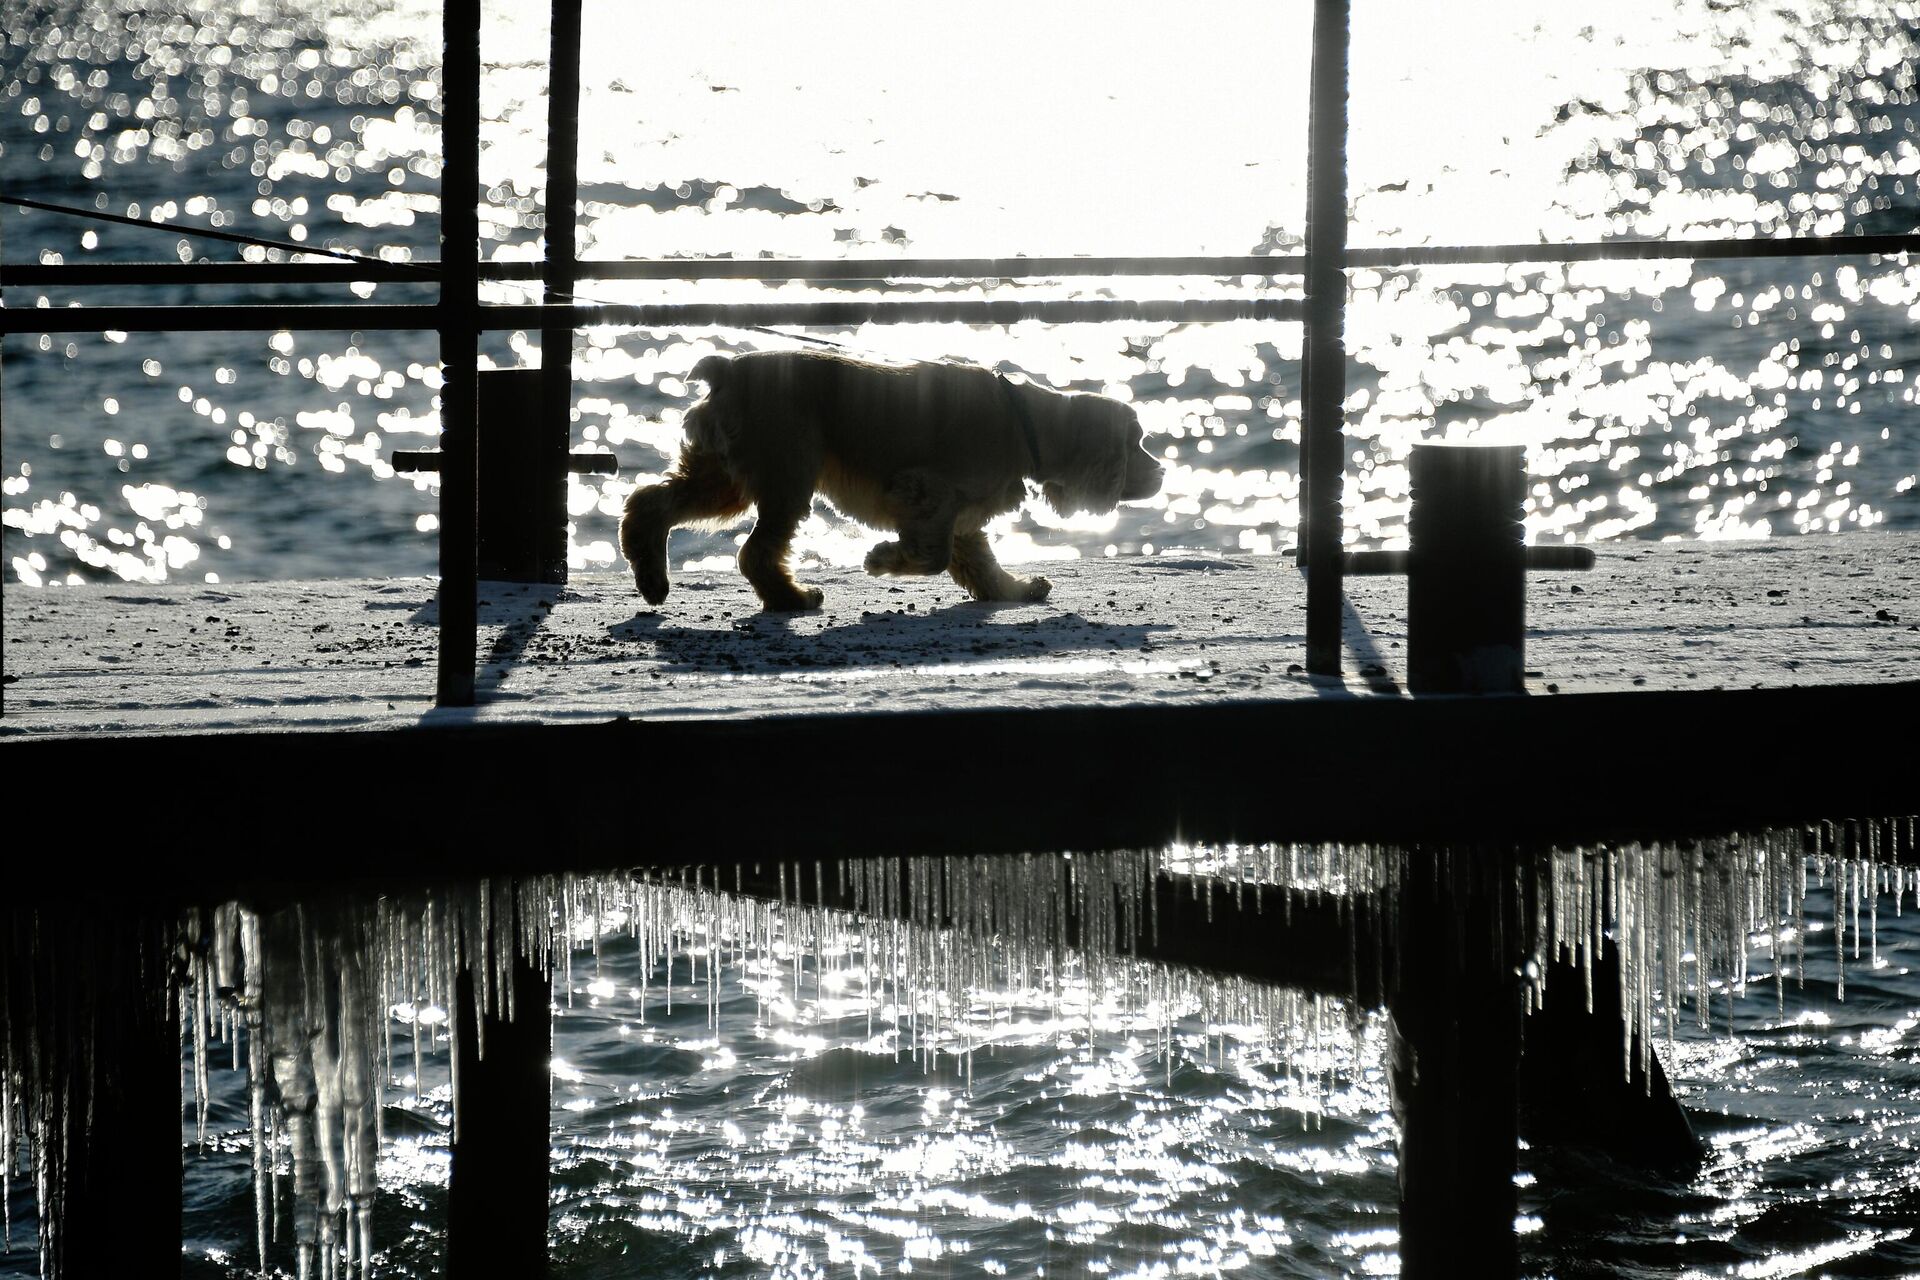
(975, 569)
(764, 557)
(699, 488)
(923, 507)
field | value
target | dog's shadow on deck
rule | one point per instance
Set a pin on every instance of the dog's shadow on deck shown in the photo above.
(781, 644)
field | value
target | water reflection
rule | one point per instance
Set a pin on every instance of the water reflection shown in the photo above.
(1656, 399)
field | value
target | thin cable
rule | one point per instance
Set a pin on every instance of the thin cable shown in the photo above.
(205, 233)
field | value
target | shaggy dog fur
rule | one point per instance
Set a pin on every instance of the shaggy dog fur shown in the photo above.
(930, 452)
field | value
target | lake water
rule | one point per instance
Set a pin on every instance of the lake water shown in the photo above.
(1656, 400)
(783, 1116)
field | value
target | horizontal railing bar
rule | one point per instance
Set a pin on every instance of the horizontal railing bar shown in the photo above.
(1017, 268)
(190, 232)
(1022, 268)
(80, 275)
(1636, 250)
(343, 316)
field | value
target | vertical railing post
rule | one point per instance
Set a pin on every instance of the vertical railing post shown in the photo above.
(563, 186)
(459, 348)
(1324, 375)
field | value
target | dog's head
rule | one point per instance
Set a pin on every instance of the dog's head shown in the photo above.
(1103, 462)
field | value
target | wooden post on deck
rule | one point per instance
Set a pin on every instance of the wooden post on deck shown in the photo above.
(497, 1190)
(1324, 366)
(1454, 1049)
(459, 349)
(1467, 572)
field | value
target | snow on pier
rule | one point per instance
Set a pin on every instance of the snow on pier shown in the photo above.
(358, 654)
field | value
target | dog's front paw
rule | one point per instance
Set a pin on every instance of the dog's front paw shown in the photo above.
(1036, 590)
(652, 582)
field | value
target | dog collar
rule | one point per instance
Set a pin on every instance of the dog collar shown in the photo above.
(1025, 420)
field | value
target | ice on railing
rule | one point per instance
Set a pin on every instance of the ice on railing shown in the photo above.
(320, 1004)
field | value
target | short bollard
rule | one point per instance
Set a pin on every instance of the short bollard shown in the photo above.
(522, 495)
(1466, 572)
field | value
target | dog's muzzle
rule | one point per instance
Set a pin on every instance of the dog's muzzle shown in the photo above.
(1143, 479)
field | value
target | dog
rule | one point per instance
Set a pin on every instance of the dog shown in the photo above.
(928, 451)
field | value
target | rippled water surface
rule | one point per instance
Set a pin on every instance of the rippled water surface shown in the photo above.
(779, 1128)
(1656, 399)
(794, 1112)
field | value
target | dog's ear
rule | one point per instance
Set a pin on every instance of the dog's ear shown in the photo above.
(1092, 472)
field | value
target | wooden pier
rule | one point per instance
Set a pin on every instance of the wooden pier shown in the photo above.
(1674, 688)
(1664, 688)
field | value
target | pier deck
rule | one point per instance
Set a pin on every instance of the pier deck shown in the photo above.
(356, 654)
(1147, 700)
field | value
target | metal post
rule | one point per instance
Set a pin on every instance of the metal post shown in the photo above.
(459, 347)
(563, 151)
(1322, 443)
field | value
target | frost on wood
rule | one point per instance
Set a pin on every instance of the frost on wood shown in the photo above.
(327, 1007)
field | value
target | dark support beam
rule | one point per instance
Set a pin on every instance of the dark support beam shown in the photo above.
(1324, 375)
(1453, 1056)
(497, 1189)
(1427, 761)
(1318, 942)
(459, 347)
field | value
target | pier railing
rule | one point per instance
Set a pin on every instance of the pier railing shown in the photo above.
(459, 316)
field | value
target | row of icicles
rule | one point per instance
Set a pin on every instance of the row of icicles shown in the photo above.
(319, 1004)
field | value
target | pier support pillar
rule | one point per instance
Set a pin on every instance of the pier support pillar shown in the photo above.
(1454, 1059)
(93, 1024)
(497, 1192)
